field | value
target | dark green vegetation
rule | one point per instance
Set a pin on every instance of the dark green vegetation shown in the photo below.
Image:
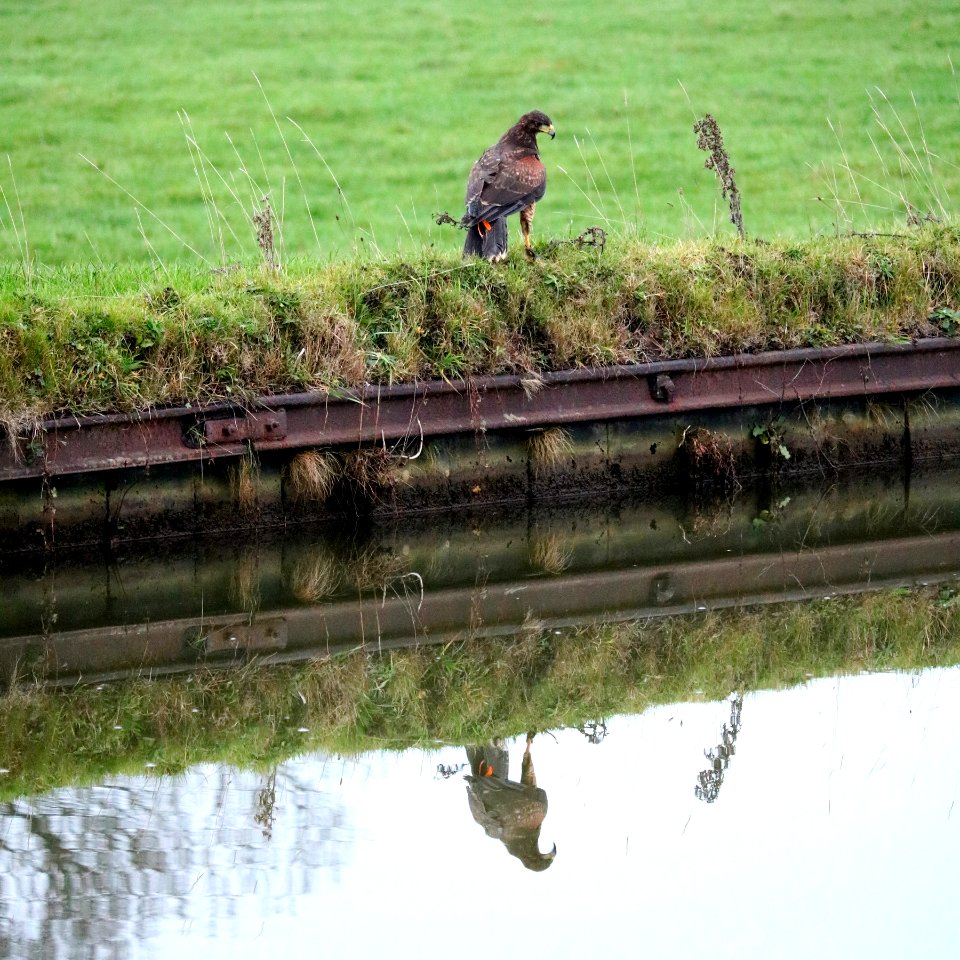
(89, 339)
(464, 692)
(400, 98)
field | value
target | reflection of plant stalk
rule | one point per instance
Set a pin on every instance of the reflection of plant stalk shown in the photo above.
(711, 779)
(315, 577)
(549, 554)
(245, 580)
(265, 814)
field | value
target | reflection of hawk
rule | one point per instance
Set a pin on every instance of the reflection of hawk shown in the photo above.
(508, 811)
(507, 178)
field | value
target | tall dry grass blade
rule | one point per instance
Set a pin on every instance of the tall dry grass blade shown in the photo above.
(406, 225)
(592, 180)
(93, 247)
(586, 196)
(613, 189)
(693, 112)
(690, 215)
(846, 162)
(911, 164)
(293, 163)
(13, 222)
(329, 169)
(255, 188)
(219, 219)
(942, 191)
(633, 158)
(257, 192)
(186, 127)
(150, 246)
(28, 260)
(173, 233)
(19, 233)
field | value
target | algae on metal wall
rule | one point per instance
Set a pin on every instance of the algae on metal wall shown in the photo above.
(256, 716)
(121, 339)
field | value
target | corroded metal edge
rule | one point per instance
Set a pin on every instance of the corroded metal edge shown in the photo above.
(70, 445)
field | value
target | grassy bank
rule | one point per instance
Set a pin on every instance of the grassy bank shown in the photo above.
(462, 693)
(86, 340)
(401, 98)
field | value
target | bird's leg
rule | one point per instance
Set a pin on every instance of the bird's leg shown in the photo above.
(526, 221)
(527, 775)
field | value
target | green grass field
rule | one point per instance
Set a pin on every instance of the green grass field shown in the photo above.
(400, 98)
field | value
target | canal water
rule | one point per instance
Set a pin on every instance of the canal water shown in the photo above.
(834, 832)
(806, 808)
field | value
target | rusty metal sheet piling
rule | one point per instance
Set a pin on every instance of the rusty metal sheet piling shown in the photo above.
(407, 412)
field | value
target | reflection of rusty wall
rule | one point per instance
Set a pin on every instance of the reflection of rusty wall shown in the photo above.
(303, 593)
(88, 872)
(494, 467)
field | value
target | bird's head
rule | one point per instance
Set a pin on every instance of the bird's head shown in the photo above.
(537, 122)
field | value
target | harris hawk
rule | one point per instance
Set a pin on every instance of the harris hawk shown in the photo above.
(508, 177)
(508, 811)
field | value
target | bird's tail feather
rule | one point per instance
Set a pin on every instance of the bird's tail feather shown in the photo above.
(473, 244)
(493, 243)
(495, 240)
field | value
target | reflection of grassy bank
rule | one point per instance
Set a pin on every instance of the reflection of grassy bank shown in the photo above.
(461, 693)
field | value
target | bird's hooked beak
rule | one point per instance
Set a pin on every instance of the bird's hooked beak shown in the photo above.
(549, 129)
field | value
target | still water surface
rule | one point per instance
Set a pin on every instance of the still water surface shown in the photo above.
(831, 830)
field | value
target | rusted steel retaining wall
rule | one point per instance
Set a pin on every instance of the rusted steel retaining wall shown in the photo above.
(490, 440)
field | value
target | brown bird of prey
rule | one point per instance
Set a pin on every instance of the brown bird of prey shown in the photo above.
(509, 811)
(508, 177)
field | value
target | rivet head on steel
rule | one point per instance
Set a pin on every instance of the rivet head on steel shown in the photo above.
(663, 388)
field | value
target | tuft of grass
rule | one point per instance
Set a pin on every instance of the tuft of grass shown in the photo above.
(466, 692)
(711, 459)
(370, 470)
(907, 181)
(117, 339)
(244, 476)
(312, 475)
(549, 449)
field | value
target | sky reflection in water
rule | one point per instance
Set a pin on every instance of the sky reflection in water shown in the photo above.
(833, 833)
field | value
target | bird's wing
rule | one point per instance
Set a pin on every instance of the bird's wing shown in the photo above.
(515, 183)
(484, 170)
